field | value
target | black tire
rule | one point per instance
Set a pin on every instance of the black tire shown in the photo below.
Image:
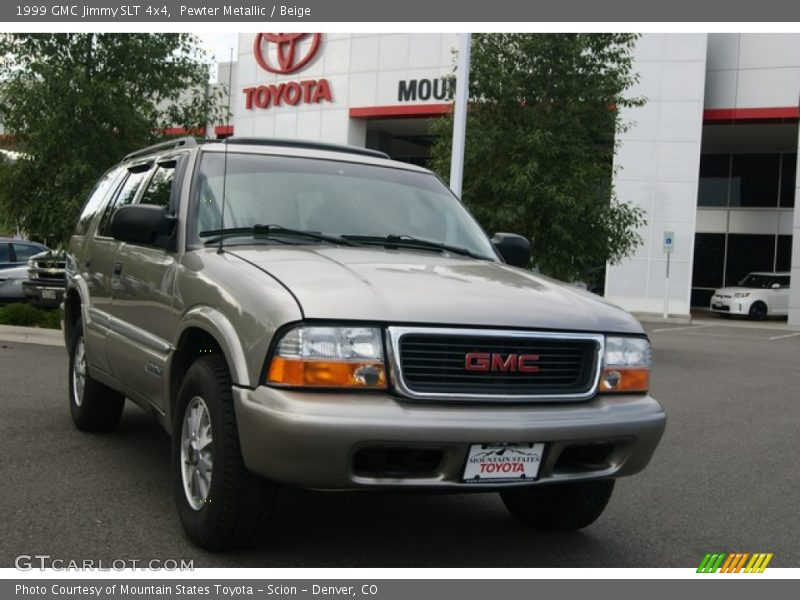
(758, 311)
(559, 507)
(236, 510)
(96, 407)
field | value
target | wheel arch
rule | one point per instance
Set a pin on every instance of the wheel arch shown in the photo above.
(204, 330)
(75, 304)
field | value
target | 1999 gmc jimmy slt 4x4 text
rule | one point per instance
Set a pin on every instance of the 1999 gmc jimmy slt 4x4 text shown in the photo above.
(320, 316)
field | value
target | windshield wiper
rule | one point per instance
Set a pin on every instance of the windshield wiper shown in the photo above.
(270, 231)
(408, 241)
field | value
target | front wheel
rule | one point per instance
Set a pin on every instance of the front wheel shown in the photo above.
(93, 406)
(758, 311)
(559, 507)
(221, 504)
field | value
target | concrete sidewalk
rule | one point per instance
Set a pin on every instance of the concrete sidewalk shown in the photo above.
(31, 335)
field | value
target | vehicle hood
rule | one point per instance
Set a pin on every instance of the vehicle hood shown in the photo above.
(399, 286)
(730, 291)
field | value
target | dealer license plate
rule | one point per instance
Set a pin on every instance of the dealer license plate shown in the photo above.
(49, 294)
(503, 462)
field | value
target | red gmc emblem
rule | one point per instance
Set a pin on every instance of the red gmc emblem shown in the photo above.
(511, 363)
(278, 52)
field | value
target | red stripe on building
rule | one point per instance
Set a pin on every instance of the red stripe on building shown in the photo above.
(183, 131)
(402, 110)
(734, 115)
(223, 130)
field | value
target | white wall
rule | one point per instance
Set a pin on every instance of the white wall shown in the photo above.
(656, 168)
(753, 70)
(363, 71)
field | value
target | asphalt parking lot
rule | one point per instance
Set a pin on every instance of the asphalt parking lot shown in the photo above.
(725, 478)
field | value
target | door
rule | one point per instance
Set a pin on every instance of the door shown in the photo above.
(142, 299)
(97, 265)
(780, 297)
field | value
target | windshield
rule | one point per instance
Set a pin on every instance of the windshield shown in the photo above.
(761, 282)
(329, 197)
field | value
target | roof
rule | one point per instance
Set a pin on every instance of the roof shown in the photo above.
(280, 147)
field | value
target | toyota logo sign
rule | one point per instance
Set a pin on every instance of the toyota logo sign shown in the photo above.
(284, 53)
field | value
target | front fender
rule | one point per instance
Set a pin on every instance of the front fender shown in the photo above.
(221, 329)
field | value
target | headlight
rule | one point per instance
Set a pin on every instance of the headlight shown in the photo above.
(626, 367)
(312, 356)
(741, 294)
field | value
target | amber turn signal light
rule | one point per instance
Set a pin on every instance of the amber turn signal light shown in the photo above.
(327, 373)
(625, 379)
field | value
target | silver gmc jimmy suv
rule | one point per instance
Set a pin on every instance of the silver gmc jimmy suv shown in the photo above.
(304, 314)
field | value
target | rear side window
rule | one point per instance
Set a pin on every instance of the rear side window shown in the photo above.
(159, 191)
(24, 251)
(97, 200)
(126, 195)
(5, 254)
(783, 281)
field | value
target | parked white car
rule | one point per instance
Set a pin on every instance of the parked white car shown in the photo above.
(759, 295)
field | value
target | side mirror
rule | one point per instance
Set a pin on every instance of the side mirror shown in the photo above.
(143, 224)
(515, 249)
(776, 286)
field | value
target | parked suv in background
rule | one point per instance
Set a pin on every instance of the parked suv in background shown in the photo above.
(320, 316)
(759, 295)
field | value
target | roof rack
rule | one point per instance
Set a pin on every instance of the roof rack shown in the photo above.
(287, 143)
(168, 145)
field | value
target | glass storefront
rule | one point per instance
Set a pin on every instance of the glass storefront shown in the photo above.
(733, 181)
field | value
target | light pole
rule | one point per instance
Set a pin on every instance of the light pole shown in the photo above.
(460, 116)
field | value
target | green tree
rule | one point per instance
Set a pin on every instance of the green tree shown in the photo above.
(544, 109)
(76, 103)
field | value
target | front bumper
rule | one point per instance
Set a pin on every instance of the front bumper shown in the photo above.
(730, 306)
(311, 439)
(43, 292)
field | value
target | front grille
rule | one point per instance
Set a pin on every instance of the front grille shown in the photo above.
(502, 365)
(47, 269)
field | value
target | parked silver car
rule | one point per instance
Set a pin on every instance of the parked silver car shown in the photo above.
(304, 314)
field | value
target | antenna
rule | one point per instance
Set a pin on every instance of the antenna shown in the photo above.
(225, 154)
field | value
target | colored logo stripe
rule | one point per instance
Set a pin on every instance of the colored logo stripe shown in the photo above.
(734, 562)
(711, 562)
(758, 563)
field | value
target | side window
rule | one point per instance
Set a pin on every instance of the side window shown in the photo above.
(126, 195)
(159, 190)
(25, 251)
(783, 281)
(5, 254)
(96, 200)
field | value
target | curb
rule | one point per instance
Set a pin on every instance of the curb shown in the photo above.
(659, 319)
(31, 335)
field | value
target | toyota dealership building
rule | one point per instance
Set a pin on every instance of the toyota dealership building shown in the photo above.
(711, 156)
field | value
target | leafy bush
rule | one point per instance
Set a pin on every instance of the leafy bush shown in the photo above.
(26, 315)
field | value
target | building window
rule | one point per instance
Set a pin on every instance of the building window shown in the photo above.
(754, 180)
(788, 180)
(709, 260)
(714, 177)
(747, 180)
(783, 254)
(748, 253)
